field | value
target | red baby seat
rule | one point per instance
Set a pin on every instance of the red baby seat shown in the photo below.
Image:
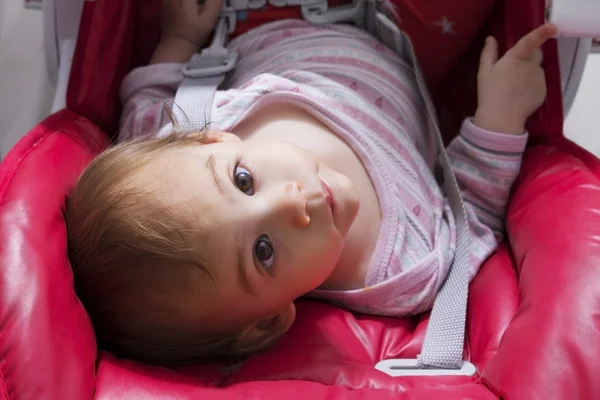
(533, 328)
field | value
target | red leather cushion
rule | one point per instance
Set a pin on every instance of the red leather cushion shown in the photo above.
(47, 346)
(548, 349)
(532, 323)
(551, 349)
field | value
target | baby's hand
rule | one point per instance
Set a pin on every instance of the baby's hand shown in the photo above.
(186, 28)
(514, 87)
(190, 20)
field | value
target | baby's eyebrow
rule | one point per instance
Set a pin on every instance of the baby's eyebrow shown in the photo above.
(211, 165)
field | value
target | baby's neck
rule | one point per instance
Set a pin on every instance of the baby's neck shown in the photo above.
(350, 271)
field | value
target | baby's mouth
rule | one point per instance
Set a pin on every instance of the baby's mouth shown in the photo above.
(328, 194)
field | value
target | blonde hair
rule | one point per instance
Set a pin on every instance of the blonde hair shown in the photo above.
(132, 258)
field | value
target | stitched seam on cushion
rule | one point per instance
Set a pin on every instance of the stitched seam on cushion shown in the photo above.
(14, 170)
(589, 165)
(3, 189)
(3, 390)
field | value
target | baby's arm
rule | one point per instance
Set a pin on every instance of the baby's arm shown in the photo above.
(147, 92)
(486, 156)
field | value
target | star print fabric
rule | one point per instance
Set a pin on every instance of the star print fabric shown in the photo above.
(441, 30)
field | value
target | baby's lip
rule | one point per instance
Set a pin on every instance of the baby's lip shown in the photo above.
(328, 194)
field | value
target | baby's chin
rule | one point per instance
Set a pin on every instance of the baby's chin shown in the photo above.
(351, 208)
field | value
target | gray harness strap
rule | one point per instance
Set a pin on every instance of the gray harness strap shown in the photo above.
(202, 75)
(444, 340)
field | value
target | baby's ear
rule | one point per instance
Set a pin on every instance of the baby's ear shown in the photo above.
(219, 137)
(266, 330)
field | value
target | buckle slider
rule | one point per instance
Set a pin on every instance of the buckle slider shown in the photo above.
(410, 367)
(200, 66)
(215, 60)
(318, 13)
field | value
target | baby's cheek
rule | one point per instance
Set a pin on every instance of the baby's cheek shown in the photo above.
(316, 255)
(331, 250)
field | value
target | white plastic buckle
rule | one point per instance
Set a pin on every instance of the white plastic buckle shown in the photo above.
(229, 13)
(240, 5)
(231, 7)
(214, 60)
(294, 3)
(256, 4)
(410, 367)
(318, 13)
(307, 3)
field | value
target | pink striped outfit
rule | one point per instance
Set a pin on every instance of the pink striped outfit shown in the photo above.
(366, 94)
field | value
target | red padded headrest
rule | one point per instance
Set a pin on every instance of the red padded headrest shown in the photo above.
(47, 346)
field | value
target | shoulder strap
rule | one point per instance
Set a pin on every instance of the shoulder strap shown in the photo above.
(444, 340)
(202, 75)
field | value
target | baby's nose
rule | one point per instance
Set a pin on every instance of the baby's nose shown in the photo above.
(290, 205)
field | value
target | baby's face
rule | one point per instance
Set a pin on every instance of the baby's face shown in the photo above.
(277, 219)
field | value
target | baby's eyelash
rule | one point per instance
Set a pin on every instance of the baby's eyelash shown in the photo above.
(276, 255)
(240, 161)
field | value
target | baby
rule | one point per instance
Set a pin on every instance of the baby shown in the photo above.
(315, 177)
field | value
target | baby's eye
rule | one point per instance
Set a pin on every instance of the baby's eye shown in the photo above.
(263, 251)
(243, 180)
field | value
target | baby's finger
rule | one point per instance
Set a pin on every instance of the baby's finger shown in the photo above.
(489, 55)
(527, 46)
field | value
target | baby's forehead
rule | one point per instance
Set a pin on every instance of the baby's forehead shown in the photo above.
(181, 181)
(177, 165)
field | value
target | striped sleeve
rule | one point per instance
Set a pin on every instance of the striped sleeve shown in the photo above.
(486, 165)
(146, 93)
